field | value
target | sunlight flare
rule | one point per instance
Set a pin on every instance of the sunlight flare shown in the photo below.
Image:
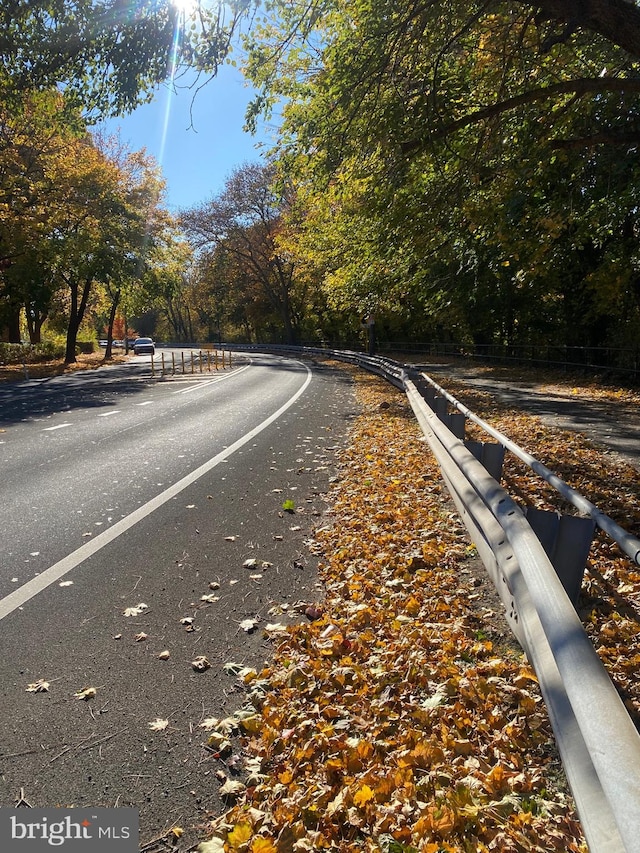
(185, 7)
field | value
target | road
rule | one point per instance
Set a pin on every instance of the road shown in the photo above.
(120, 490)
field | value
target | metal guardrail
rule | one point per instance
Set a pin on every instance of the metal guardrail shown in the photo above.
(597, 741)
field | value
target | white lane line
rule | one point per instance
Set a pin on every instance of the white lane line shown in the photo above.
(59, 426)
(146, 403)
(199, 383)
(108, 414)
(36, 585)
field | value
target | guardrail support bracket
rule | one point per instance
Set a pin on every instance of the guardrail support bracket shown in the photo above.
(488, 454)
(566, 540)
(455, 423)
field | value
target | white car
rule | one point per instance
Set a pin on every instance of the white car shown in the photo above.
(141, 345)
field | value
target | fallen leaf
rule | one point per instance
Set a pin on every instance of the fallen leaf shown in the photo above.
(200, 664)
(65, 583)
(210, 599)
(249, 625)
(39, 686)
(363, 795)
(265, 845)
(86, 693)
(275, 629)
(141, 637)
(164, 655)
(219, 742)
(137, 610)
(214, 845)
(239, 835)
(158, 725)
(231, 789)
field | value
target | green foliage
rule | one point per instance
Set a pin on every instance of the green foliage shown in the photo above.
(466, 170)
(30, 353)
(109, 55)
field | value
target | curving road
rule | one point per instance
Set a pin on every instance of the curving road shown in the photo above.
(119, 489)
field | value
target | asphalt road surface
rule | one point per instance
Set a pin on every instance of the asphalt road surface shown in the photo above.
(120, 490)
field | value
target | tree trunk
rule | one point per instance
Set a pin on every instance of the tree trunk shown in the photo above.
(112, 318)
(76, 313)
(13, 324)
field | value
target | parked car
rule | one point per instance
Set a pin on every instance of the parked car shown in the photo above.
(141, 345)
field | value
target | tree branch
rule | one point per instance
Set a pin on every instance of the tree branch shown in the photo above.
(583, 86)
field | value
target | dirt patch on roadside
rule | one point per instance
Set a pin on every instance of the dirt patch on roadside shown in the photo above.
(56, 367)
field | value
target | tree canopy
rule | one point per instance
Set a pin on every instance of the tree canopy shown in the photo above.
(470, 165)
(109, 54)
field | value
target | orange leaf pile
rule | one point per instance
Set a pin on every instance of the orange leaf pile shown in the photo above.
(392, 723)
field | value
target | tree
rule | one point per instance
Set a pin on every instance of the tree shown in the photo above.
(107, 53)
(434, 152)
(35, 134)
(243, 223)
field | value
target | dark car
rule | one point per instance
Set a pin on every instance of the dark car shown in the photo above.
(141, 345)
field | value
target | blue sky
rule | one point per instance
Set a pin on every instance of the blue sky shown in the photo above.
(195, 161)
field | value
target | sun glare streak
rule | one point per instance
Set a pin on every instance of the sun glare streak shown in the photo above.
(173, 63)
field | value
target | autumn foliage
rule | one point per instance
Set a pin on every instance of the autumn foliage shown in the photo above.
(392, 721)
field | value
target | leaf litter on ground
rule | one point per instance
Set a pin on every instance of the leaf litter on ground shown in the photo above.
(399, 719)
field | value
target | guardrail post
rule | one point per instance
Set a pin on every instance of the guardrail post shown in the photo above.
(455, 423)
(200, 360)
(173, 363)
(182, 355)
(488, 454)
(566, 540)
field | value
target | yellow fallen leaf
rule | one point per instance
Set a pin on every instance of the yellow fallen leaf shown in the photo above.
(239, 835)
(86, 693)
(363, 796)
(263, 845)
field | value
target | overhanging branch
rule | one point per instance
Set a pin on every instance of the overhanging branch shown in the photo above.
(583, 86)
